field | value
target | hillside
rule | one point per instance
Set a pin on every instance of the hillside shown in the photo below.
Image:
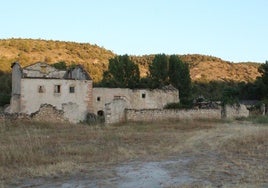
(208, 68)
(95, 60)
(28, 51)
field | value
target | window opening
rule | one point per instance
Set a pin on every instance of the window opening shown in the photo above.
(41, 89)
(98, 99)
(143, 95)
(57, 89)
(72, 89)
(100, 113)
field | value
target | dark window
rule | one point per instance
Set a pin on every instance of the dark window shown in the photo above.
(41, 89)
(98, 98)
(143, 95)
(100, 113)
(72, 89)
(57, 89)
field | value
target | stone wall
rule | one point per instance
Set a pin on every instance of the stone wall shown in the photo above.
(14, 117)
(134, 98)
(235, 111)
(229, 112)
(115, 111)
(31, 98)
(48, 113)
(171, 114)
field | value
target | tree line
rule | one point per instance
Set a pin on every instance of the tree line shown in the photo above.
(164, 70)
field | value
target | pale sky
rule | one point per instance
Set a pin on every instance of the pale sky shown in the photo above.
(234, 30)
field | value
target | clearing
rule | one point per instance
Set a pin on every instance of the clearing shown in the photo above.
(165, 154)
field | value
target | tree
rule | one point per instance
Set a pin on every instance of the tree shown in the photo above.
(263, 69)
(159, 71)
(230, 96)
(5, 88)
(179, 77)
(122, 72)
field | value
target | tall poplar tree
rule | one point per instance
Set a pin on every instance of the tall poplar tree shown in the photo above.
(122, 72)
(179, 77)
(159, 71)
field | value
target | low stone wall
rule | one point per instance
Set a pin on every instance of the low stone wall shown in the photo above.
(14, 116)
(171, 114)
(235, 111)
(47, 113)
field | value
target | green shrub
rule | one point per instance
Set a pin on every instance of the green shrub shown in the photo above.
(260, 119)
(178, 106)
(93, 119)
(4, 99)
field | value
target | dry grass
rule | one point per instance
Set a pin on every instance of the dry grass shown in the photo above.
(37, 149)
(234, 155)
(30, 149)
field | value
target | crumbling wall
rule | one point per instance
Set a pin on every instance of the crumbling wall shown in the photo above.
(14, 106)
(14, 117)
(48, 113)
(32, 98)
(71, 113)
(115, 111)
(42, 70)
(235, 111)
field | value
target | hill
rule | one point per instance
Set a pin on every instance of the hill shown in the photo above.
(205, 68)
(28, 51)
(95, 60)
(208, 68)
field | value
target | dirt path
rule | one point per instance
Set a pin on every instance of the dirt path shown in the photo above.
(158, 174)
(128, 175)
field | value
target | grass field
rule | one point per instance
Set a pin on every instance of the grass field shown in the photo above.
(223, 153)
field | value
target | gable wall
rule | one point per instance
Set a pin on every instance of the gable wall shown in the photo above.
(40, 70)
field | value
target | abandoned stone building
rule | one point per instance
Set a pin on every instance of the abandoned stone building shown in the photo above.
(134, 98)
(72, 92)
(40, 83)
(112, 102)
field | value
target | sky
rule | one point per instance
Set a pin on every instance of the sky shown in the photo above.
(234, 30)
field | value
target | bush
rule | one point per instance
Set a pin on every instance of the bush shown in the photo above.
(260, 119)
(4, 99)
(178, 106)
(92, 119)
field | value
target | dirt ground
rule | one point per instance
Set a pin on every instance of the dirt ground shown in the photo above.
(165, 154)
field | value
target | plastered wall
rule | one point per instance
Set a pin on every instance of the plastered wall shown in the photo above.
(35, 92)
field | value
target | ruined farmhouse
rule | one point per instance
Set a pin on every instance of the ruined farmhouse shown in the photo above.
(71, 92)
(40, 83)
